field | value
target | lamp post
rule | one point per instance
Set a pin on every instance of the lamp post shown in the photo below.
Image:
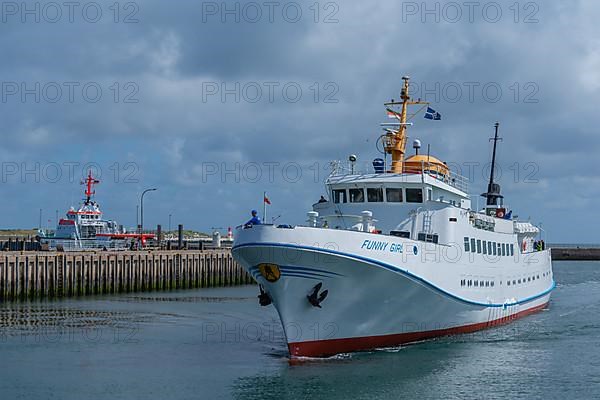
(142, 208)
(170, 215)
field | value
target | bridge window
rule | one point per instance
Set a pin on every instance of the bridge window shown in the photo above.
(503, 249)
(466, 244)
(428, 237)
(479, 246)
(512, 249)
(374, 195)
(484, 247)
(490, 248)
(393, 195)
(357, 195)
(473, 245)
(499, 249)
(339, 196)
(414, 196)
(494, 248)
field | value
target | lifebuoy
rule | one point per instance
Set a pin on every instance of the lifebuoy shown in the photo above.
(499, 213)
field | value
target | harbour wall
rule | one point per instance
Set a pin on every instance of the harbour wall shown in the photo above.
(41, 274)
(575, 253)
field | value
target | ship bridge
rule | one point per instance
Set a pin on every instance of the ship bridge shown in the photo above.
(389, 196)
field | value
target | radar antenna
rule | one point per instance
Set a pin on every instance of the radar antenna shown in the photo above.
(493, 191)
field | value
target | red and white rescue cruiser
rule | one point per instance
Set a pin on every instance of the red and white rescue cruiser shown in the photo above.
(85, 228)
(395, 256)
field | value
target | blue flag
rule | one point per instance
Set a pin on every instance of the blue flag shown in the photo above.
(432, 114)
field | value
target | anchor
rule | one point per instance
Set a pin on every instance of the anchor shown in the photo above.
(315, 298)
(263, 298)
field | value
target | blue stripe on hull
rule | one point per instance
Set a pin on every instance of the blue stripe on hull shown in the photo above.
(399, 271)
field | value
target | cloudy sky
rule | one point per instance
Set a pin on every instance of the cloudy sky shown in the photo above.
(214, 103)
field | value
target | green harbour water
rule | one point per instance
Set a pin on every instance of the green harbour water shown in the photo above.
(219, 344)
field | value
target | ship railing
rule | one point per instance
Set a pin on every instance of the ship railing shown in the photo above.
(363, 170)
(79, 245)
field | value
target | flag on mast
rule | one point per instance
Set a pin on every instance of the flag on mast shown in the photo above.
(392, 114)
(432, 114)
(265, 202)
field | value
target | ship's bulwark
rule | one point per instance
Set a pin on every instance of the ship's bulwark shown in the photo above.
(369, 304)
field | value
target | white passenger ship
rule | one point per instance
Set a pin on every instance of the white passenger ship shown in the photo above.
(396, 255)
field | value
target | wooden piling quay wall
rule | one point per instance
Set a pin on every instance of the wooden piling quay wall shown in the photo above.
(38, 275)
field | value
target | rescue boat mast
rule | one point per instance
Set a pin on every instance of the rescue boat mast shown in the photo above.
(90, 181)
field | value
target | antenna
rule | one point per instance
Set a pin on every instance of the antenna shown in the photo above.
(352, 158)
(416, 146)
(493, 191)
(428, 151)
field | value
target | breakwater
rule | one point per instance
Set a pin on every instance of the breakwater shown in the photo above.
(575, 253)
(38, 275)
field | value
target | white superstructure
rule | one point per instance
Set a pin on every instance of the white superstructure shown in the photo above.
(85, 227)
(394, 256)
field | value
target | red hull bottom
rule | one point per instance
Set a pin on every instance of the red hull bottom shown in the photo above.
(329, 347)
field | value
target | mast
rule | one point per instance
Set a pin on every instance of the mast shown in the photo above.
(493, 191)
(90, 181)
(395, 141)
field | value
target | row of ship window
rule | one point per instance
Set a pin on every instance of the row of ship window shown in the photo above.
(489, 247)
(376, 195)
(477, 283)
(84, 216)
